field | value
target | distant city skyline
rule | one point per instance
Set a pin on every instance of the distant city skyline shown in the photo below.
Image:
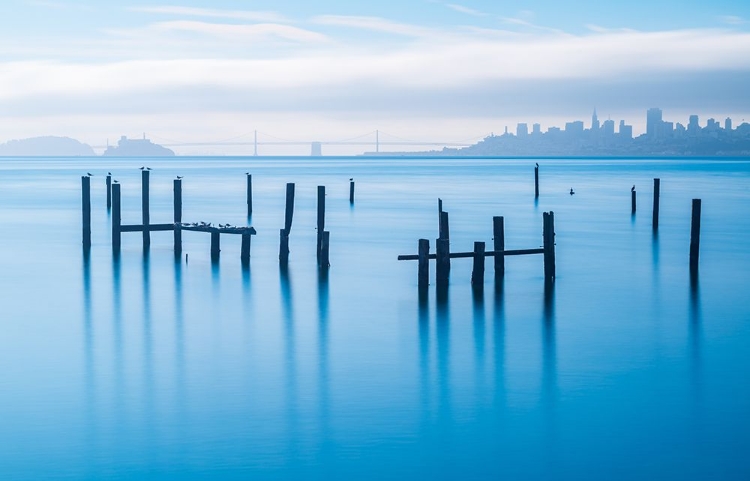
(424, 69)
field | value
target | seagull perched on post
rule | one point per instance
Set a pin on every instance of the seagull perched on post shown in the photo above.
(115, 181)
(142, 168)
(632, 189)
(148, 168)
(537, 164)
(109, 173)
(89, 174)
(179, 177)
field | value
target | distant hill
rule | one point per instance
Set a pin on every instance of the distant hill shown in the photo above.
(137, 148)
(45, 147)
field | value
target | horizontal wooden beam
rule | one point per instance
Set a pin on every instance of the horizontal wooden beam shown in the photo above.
(152, 227)
(220, 230)
(459, 255)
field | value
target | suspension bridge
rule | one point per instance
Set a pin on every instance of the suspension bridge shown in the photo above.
(255, 139)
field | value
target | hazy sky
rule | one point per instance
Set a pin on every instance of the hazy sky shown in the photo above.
(334, 69)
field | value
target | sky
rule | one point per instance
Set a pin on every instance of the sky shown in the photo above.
(329, 70)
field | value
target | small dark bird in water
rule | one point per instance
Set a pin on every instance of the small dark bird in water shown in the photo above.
(571, 191)
(632, 189)
(179, 177)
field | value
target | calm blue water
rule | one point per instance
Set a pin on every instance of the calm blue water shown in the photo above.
(149, 368)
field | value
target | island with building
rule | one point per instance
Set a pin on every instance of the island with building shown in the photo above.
(662, 138)
(137, 148)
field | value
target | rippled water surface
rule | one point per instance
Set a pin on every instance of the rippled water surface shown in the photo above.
(149, 367)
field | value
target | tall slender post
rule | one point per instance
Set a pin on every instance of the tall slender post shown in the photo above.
(321, 217)
(498, 238)
(351, 191)
(145, 209)
(215, 245)
(86, 210)
(423, 274)
(249, 195)
(549, 246)
(442, 266)
(289, 208)
(477, 272)
(325, 243)
(440, 217)
(108, 181)
(177, 216)
(536, 181)
(695, 235)
(655, 218)
(116, 219)
(632, 201)
(445, 232)
(245, 251)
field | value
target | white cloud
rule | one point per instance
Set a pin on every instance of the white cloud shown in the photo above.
(255, 16)
(732, 20)
(465, 9)
(375, 24)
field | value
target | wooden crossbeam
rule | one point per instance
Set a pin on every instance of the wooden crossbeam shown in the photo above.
(463, 255)
(219, 230)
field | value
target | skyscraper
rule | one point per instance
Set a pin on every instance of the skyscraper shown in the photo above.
(594, 122)
(693, 126)
(728, 124)
(522, 130)
(653, 122)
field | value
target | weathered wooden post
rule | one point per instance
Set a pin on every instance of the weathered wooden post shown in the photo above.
(536, 181)
(325, 243)
(445, 232)
(86, 210)
(695, 235)
(321, 218)
(215, 245)
(498, 238)
(116, 219)
(284, 233)
(351, 191)
(655, 218)
(177, 216)
(145, 209)
(548, 235)
(442, 266)
(632, 201)
(245, 250)
(477, 272)
(249, 195)
(109, 191)
(423, 274)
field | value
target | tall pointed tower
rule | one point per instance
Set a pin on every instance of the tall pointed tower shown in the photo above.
(594, 122)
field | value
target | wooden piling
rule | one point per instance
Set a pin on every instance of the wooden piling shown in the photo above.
(442, 266)
(536, 181)
(632, 202)
(108, 182)
(324, 261)
(249, 195)
(423, 274)
(351, 191)
(321, 218)
(444, 228)
(655, 218)
(289, 208)
(498, 237)
(215, 245)
(477, 272)
(245, 250)
(695, 235)
(116, 219)
(145, 208)
(86, 210)
(177, 216)
(283, 246)
(549, 245)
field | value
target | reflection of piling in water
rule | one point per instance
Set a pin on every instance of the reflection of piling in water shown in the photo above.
(479, 333)
(323, 375)
(442, 331)
(498, 340)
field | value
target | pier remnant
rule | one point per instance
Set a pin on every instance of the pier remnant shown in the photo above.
(423, 274)
(177, 188)
(145, 209)
(442, 266)
(108, 183)
(632, 201)
(351, 191)
(325, 242)
(477, 272)
(549, 246)
(655, 217)
(695, 236)
(498, 239)
(536, 181)
(284, 233)
(321, 219)
(86, 210)
(249, 194)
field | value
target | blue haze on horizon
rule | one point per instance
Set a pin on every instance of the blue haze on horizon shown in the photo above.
(428, 69)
